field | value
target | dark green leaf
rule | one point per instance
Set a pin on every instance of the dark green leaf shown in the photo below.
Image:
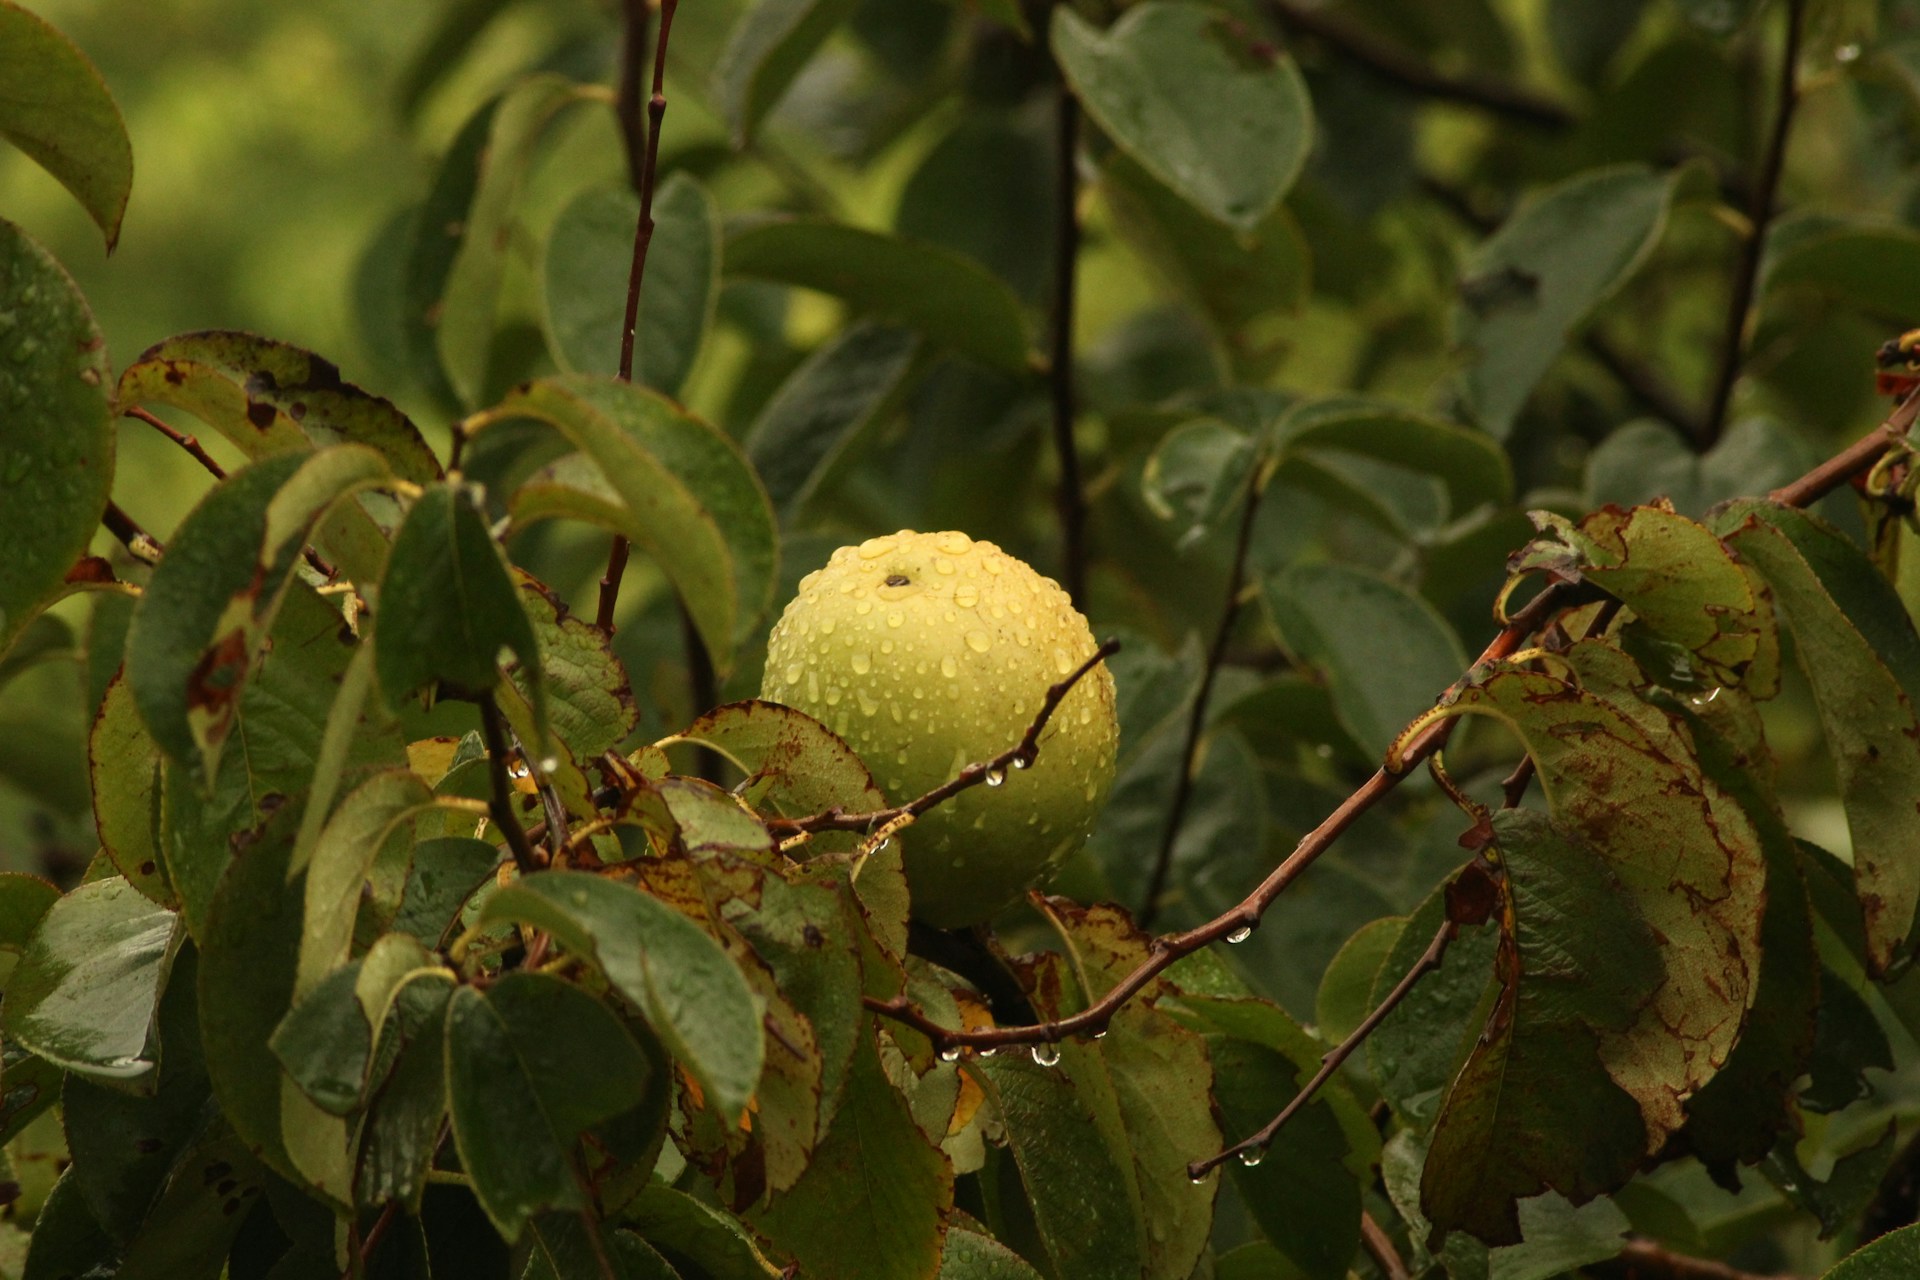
(676, 487)
(1197, 99)
(571, 1247)
(1537, 278)
(58, 110)
(1647, 460)
(944, 295)
(1840, 1200)
(1003, 224)
(1384, 651)
(1872, 269)
(444, 874)
(709, 1238)
(1346, 988)
(875, 1200)
(588, 693)
(1473, 469)
(67, 1242)
(324, 1041)
(57, 437)
(972, 1256)
(448, 603)
(1196, 477)
(124, 768)
(187, 1234)
(588, 254)
(826, 406)
(1417, 1049)
(397, 1141)
(83, 995)
(677, 976)
(1847, 1040)
(530, 1065)
(770, 43)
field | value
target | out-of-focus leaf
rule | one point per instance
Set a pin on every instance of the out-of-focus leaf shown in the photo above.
(1535, 1106)
(1681, 582)
(58, 111)
(1840, 1200)
(531, 1064)
(436, 231)
(1536, 279)
(943, 294)
(57, 437)
(1234, 277)
(1194, 475)
(84, 992)
(825, 406)
(677, 976)
(465, 333)
(564, 1249)
(1873, 269)
(794, 764)
(1003, 224)
(1621, 780)
(1385, 651)
(1860, 654)
(588, 255)
(676, 487)
(1474, 469)
(1718, 17)
(875, 1200)
(1197, 99)
(66, 1240)
(449, 605)
(770, 43)
(1346, 988)
(1647, 460)
(454, 31)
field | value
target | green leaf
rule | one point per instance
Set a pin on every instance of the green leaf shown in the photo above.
(875, 1200)
(467, 305)
(1718, 17)
(971, 1256)
(1862, 658)
(1346, 988)
(1893, 1256)
(1535, 1107)
(24, 902)
(588, 255)
(449, 605)
(1474, 469)
(84, 993)
(770, 43)
(589, 695)
(434, 235)
(57, 436)
(58, 111)
(1843, 1198)
(1234, 277)
(794, 764)
(531, 1064)
(1196, 477)
(124, 769)
(1549, 266)
(1647, 460)
(1190, 94)
(1003, 224)
(1682, 584)
(199, 1211)
(1384, 651)
(401, 1133)
(679, 489)
(1872, 269)
(445, 873)
(199, 627)
(564, 1248)
(67, 1242)
(945, 295)
(1620, 777)
(324, 1042)
(677, 976)
(707, 1237)
(372, 821)
(1416, 1051)
(825, 406)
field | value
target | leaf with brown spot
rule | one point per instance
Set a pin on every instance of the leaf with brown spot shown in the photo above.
(794, 765)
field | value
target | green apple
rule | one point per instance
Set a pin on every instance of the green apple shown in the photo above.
(928, 652)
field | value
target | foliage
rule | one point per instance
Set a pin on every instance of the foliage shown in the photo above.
(457, 911)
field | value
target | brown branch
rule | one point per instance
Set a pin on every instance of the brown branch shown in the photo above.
(1071, 496)
(1019, 756)
(644, 180)
(140, 544)
(1197, 715)
(1645, 1260)
(190, 443)
(375, 1235)
(500, 792)
(1410, 71)
(1759, 214)
(1331, 1062)
(1852, 460)
(1379, 1247)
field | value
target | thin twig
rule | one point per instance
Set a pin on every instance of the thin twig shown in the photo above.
(375, 1235)
(1410, 71)
(140, 544)
(1852, 460)
(1329, 1063)
(1759, 214)
(1071, 497)
(500, 792)
(1019, 756)
(190, 443)
(1645, 1260)
(642, 241)
(1379, 1246)
(1197, 716)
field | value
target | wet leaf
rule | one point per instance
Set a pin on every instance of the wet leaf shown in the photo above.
(401, 1132)
(795, 765)
(588, 693)
(57, 435)
(59, 112)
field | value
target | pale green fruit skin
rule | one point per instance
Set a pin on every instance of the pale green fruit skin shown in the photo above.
(945, 670)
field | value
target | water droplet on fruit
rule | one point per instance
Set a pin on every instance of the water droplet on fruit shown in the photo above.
(1046, 1055)
(863, 607)
(966, 597)
(874, 548)
(862, 662)
(895, 618)
(955, 544)
(948, 667)
(979, 641)
(943, 566)
(793, 672)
